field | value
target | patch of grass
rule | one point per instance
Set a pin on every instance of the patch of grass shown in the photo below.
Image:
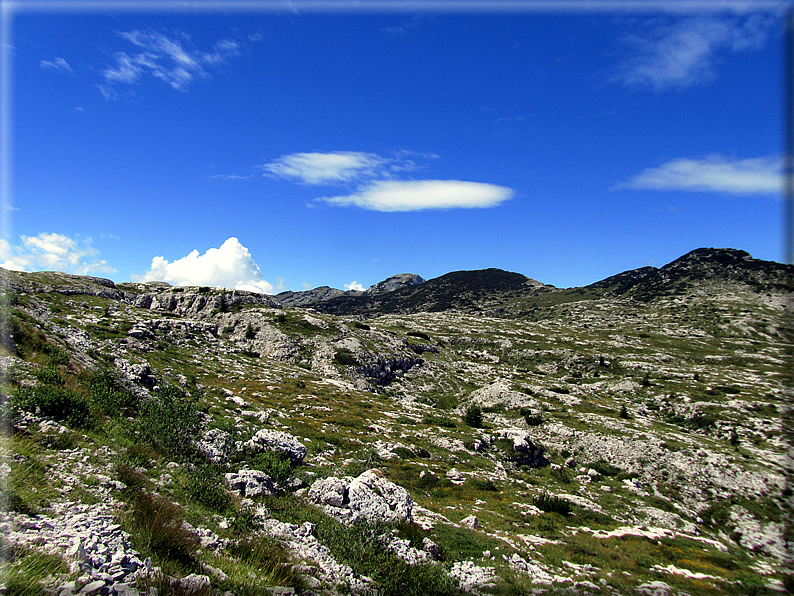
(433, 420)
(28, 569)
(265, 559)
(155, 524)
(458, 544)
(204, 485)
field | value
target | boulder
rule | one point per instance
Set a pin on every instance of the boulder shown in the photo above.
(250, 483)
(330, 491)
(275, 440)
(216, 445)
(369, 497)
(374, 498)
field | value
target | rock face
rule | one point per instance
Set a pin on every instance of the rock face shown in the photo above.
(369, 497)
(395, 282)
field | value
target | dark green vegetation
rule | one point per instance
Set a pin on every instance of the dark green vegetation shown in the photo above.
(657, 395)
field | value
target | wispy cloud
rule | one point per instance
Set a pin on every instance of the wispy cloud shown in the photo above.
(354, 285)
(229, 266)
(57, 64)
(420, 195)
(231, 177)
(52, 252)
(170, 59)
(683, 54)
(714, 173)
(326, 168)
(377, 181)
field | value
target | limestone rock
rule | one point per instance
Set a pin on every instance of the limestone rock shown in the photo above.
(369, 497)
(250, 483)
(274, 440)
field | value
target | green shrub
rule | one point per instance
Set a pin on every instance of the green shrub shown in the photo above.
(49, 375)
(345, 357)
(250, 332)
(55, 355)
(362, 326)
(562, 475)
(419, 334)
(170, 422)
(273, 463)
(552, 504)
(473, 416)
(480, 484)
(109, 394)
(533, 419)
(439, 421)
(604, 468)
(57, 402)
(205, 485)
(624, 413)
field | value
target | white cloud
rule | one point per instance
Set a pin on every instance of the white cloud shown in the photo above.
(166, 59)
(53, 252)
(326, 168)
(57, 64)
(714, 173)
(230, 266)
(682, 54)
(354, 285)
(418, 195)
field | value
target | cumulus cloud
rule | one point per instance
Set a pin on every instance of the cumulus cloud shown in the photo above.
(715, 173)
(354, 285)
(229, 266)
(682, 54)
(166, 58)
(419, 195)
(53, 252)
(57, 64)
(325, 168)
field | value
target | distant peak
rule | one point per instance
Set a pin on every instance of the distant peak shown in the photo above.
(395, 282)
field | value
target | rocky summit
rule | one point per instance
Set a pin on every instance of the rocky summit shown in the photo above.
(476, 433)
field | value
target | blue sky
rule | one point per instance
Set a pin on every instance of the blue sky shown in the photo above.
(276, 150)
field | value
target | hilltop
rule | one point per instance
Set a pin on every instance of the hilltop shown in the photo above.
(476, 433)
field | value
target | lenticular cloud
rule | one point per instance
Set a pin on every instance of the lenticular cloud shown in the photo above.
(229, 266)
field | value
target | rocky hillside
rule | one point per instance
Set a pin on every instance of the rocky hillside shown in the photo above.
(478, 433)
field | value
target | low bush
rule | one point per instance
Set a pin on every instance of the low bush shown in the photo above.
(62, 404)
(362, 326)
(473, 416)
(604, 468)
(170, 422)
(419, 334)
(273, 463)
(205, 485)
(552, 504)
(49, 375)
(109, 395)
(439, 421)
(345, 357)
